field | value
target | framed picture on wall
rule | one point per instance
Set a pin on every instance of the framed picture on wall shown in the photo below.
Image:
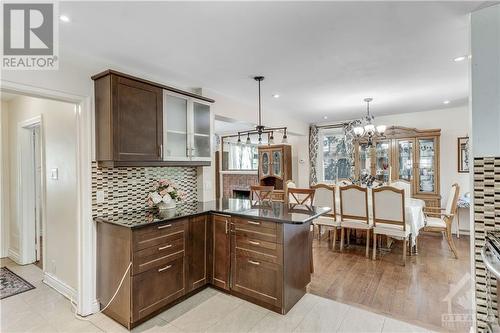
(463, 154)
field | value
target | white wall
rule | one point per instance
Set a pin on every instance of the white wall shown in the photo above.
(59, 142)
(4, 181)
(485, 85)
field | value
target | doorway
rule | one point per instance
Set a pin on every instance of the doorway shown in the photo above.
(38, 207)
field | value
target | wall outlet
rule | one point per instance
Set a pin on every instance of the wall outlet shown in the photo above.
(208, 185)
(54, 173)
(99, 196)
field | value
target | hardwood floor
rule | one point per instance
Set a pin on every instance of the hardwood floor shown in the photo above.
(415, 293)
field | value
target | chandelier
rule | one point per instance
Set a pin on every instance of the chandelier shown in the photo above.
(364, 127)
(260, 129)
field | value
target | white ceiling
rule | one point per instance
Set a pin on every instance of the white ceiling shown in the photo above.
(323, 58)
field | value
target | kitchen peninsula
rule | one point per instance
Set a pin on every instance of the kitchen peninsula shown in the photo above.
(260, 252)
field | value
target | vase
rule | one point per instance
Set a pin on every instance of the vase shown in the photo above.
(164, 206)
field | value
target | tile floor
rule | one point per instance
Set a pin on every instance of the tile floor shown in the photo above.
(44, 310)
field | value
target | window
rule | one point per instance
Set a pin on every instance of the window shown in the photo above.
(240, 157)
(334, 161)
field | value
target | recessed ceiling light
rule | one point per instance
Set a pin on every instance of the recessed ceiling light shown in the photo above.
(446, 102)
(325, 117)
(458, 59)
(276, 95)
(64, 18)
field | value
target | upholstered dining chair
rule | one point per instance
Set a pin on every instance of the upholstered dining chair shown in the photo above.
(403, 185)
(388, 205)
(354, 212)
(440, 219)
(261, 193)
(325, 196)
(303, 197)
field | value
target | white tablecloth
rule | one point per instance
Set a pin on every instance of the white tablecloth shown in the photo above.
(415, 219)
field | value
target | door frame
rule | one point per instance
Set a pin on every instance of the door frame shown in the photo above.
(86, 286)
(26, 185)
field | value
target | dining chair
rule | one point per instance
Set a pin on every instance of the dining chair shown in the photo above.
(263, 193)
(325, 196)
(289, 184)
(403, 185)
(440, 219)
(354, 212)
(303, 197)
(388, 204)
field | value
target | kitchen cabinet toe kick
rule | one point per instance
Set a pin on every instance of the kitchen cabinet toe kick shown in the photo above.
(266, 263)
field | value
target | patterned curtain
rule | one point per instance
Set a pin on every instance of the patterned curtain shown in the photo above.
(313, 154)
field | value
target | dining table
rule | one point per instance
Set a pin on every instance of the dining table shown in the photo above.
(414, 214)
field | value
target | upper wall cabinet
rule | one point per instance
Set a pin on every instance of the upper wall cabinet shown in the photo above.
(142, 123)
(188, 128)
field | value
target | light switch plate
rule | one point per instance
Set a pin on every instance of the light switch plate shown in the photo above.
(54, 173)
(99, 196)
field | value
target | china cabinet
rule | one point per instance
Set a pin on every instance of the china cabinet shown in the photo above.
(405, 154)
(275, 167)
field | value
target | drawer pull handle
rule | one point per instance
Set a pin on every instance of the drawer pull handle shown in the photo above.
(164, 226)
(164, 268)
(252, 222)
(253, 262)
(254, 243)
(164, 247)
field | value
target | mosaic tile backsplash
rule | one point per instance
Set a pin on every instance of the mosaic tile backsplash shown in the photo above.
(486, 218)
(126, 189)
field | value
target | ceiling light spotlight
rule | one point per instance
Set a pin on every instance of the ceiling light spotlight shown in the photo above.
(458, 59)
(446, 102)
(325, 117)
(64, 18)
(276, 95)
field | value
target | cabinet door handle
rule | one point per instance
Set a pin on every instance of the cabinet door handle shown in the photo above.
(227, 227)
(164, 268)
(253, 242)
(253, 262)
(164, 226)
(161, 150)
(164, 247)
(252, 222)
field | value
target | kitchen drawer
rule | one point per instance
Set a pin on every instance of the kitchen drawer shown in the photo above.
(268, 251)
(157, 287)
(257, 278)
(245, 232)
(150, 257)
(156, 234)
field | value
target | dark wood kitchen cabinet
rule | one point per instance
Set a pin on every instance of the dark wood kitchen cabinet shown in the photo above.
(130, 128)
(197, 252)
(129, 125)
(221, 250)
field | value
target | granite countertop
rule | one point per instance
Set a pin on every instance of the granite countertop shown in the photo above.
(272, 211)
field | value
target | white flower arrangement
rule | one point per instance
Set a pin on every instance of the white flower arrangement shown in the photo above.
(164, 191)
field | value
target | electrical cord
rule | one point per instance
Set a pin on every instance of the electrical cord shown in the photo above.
(73, 304)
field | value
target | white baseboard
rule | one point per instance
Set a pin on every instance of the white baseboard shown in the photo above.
(14, 256)
(60, 286)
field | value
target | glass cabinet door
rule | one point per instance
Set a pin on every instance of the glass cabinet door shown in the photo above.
(405, 159)
(175, 117)
(265, 164)
(364, 160)
(201, 130)
(277, 162)
(383, 160)
(426, 166)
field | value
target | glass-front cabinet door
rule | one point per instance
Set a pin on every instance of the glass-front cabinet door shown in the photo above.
(277, 163)
(265, 164)
(364, 160)
(404, 160)
(175, 126)
(426, 157)
(383, 160)
(200, 147)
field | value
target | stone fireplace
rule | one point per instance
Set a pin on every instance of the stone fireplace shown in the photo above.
(238, 185)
